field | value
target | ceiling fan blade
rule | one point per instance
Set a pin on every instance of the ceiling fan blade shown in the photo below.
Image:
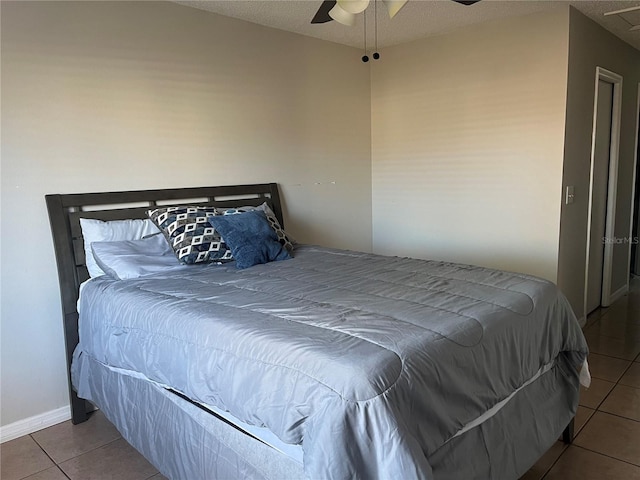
(322, 15)
(466, 2)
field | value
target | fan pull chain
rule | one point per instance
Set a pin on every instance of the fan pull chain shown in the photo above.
(365, 57)
(376, 55)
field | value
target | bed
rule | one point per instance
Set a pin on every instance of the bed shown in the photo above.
(332, 364)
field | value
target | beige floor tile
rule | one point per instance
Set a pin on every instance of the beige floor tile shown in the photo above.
(580, 464)
(115, 461)
(543, 465)
(627, 310)
(582, 417)
(623, 401)
(632, 376)
(594, 317)
(22, 457)
(613, 436)
(53, 473)
(614, 327)
(607, 368)
(65, 440)
(594, 395)
(159, 476)
(626, 349)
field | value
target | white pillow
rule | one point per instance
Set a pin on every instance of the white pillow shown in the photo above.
(135, 258)
(116, 230)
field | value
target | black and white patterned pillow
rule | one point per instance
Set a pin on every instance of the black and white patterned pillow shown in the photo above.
(191, 236)
(283, 238)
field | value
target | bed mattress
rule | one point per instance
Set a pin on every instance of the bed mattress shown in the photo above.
(373, 364)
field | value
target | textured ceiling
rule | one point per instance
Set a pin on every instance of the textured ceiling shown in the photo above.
(418, 18)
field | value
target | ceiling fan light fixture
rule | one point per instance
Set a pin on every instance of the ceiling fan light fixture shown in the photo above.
(353, 6)
(394, 6)
(342, 16)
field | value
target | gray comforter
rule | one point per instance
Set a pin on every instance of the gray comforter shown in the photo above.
(372, 363)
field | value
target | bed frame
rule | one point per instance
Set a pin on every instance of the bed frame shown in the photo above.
(65, 212)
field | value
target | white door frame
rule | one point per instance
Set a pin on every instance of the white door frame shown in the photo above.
(633, 191)
(616, 80)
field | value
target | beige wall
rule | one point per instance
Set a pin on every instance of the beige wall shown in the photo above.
(135, 95)
(467, 144)
(591, 46)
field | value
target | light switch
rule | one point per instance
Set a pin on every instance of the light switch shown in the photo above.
(569, 195)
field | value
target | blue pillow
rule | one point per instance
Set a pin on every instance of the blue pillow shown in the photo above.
(250, 238)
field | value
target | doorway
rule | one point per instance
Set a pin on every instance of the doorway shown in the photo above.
(602, 189)
(635, 228)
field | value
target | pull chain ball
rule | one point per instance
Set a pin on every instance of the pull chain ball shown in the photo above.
(365, 58)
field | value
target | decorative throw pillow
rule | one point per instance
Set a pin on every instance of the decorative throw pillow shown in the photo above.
(251, 238)
(283, 238)
(193, 239)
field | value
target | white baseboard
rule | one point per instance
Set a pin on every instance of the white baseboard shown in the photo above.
(619, 293)
(35, 423)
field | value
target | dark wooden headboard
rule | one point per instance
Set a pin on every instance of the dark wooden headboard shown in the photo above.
(65, 212)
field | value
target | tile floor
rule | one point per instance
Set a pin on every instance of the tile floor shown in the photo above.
(606, 447)
(607, 442)
(93, 450)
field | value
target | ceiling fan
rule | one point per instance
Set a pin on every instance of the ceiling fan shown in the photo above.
(344, 11)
